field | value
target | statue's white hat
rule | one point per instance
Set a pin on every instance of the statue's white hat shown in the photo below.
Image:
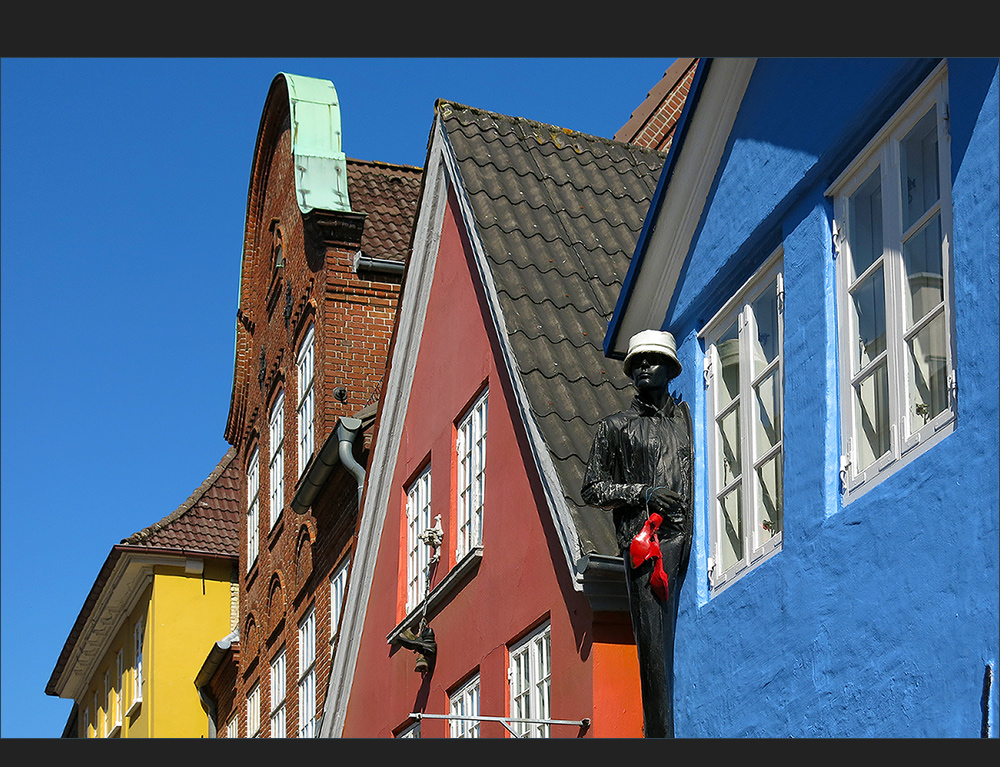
(654, 341)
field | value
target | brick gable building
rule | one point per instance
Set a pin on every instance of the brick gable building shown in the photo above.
(322, 265)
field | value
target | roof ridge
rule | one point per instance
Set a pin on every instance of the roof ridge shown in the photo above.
(538, 123)
(385, 165)
(185, 507)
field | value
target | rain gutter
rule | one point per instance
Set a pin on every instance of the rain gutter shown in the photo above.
(338, 449)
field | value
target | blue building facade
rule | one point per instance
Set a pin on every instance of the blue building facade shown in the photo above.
(824, 247)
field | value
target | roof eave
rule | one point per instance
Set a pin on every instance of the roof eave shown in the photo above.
(701, 136)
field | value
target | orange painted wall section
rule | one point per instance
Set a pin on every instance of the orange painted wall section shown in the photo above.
(522, 579)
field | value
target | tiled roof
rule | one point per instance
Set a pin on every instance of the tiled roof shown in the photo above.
(559, 214)
(207, 521)
(387, 194)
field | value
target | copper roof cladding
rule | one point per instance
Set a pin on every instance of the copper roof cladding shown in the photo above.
(208, 521)
(559, 214)
(387, 194)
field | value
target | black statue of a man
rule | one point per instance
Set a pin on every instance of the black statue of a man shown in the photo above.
(641, 469)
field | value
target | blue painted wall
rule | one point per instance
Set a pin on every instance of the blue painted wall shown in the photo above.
(877, 619)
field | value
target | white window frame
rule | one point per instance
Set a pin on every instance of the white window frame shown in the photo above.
(119, 689)
(137, 641)
(413, 731)
(99, 717)
(470, 450)
(529, 677)
(307, 675)
(905, 441)
(253, 711)
(233, 727)
(276, 460)
(278, 690)
(418, 553)
(338, 590)
(306, 410)
(759, 532)
(253, 508)
(465, 702)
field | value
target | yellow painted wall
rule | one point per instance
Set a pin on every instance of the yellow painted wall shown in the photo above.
(184, 614)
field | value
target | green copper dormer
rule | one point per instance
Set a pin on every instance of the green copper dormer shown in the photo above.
(320, 166)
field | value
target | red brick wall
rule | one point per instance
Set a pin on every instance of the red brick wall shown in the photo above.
(656, 131)
(353, 320)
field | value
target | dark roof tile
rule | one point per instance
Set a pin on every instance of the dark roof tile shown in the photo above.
(559, 214)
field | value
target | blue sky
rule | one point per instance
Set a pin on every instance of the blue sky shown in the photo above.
(124, 188)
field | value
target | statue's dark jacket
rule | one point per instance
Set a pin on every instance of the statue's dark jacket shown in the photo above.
(636, 450)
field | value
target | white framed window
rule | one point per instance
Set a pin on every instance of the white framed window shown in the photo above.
(276, 462)
(892, 234)
(119, 686)
(137, 636)
(111, 716)
(98, 718)
(306, 410)
(529, 678)
(744, 377)
(338, 589)
(278, 696)
(465, 702)
(470, 448)
(233, 727)
(253, 508)
(418, 519)
(253, 711)
(413, 731)
(307, 675)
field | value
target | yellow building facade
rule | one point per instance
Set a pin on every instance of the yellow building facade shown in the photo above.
(162, 597)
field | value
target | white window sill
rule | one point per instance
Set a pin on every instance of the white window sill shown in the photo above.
(451, 583)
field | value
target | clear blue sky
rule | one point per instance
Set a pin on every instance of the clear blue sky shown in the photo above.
(124, 189)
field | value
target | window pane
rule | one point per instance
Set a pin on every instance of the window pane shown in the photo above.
(768, 521)
(865, 217)
(928, 373)
(728, 347)
(729, 444)
(765, 312)
(924, 270)
(918, 154)
(872, 417)
(869, 319)
(768, 422)
(731, 535)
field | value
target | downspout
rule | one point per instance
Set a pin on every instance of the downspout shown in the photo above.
(347, 432)
(203, 679)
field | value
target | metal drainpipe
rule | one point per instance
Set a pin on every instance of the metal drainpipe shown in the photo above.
(347, 431)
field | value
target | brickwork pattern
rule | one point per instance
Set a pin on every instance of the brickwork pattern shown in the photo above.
(312, 283)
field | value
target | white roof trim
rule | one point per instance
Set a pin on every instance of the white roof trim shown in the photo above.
(684, 198)
(412, 312)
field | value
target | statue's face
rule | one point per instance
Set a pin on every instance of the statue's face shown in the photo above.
(651, 372)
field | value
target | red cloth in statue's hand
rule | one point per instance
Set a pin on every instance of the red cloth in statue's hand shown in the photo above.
(646, 546)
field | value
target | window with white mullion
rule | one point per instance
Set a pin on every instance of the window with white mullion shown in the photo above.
(899, 382)
(278, 696)
(276, 464)
(744, 377)
(307, 675)
(530, 680)
(253, 712)
(418, 519)
(253, 508)
(464, 702)
(470, 447)
(306, 370)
